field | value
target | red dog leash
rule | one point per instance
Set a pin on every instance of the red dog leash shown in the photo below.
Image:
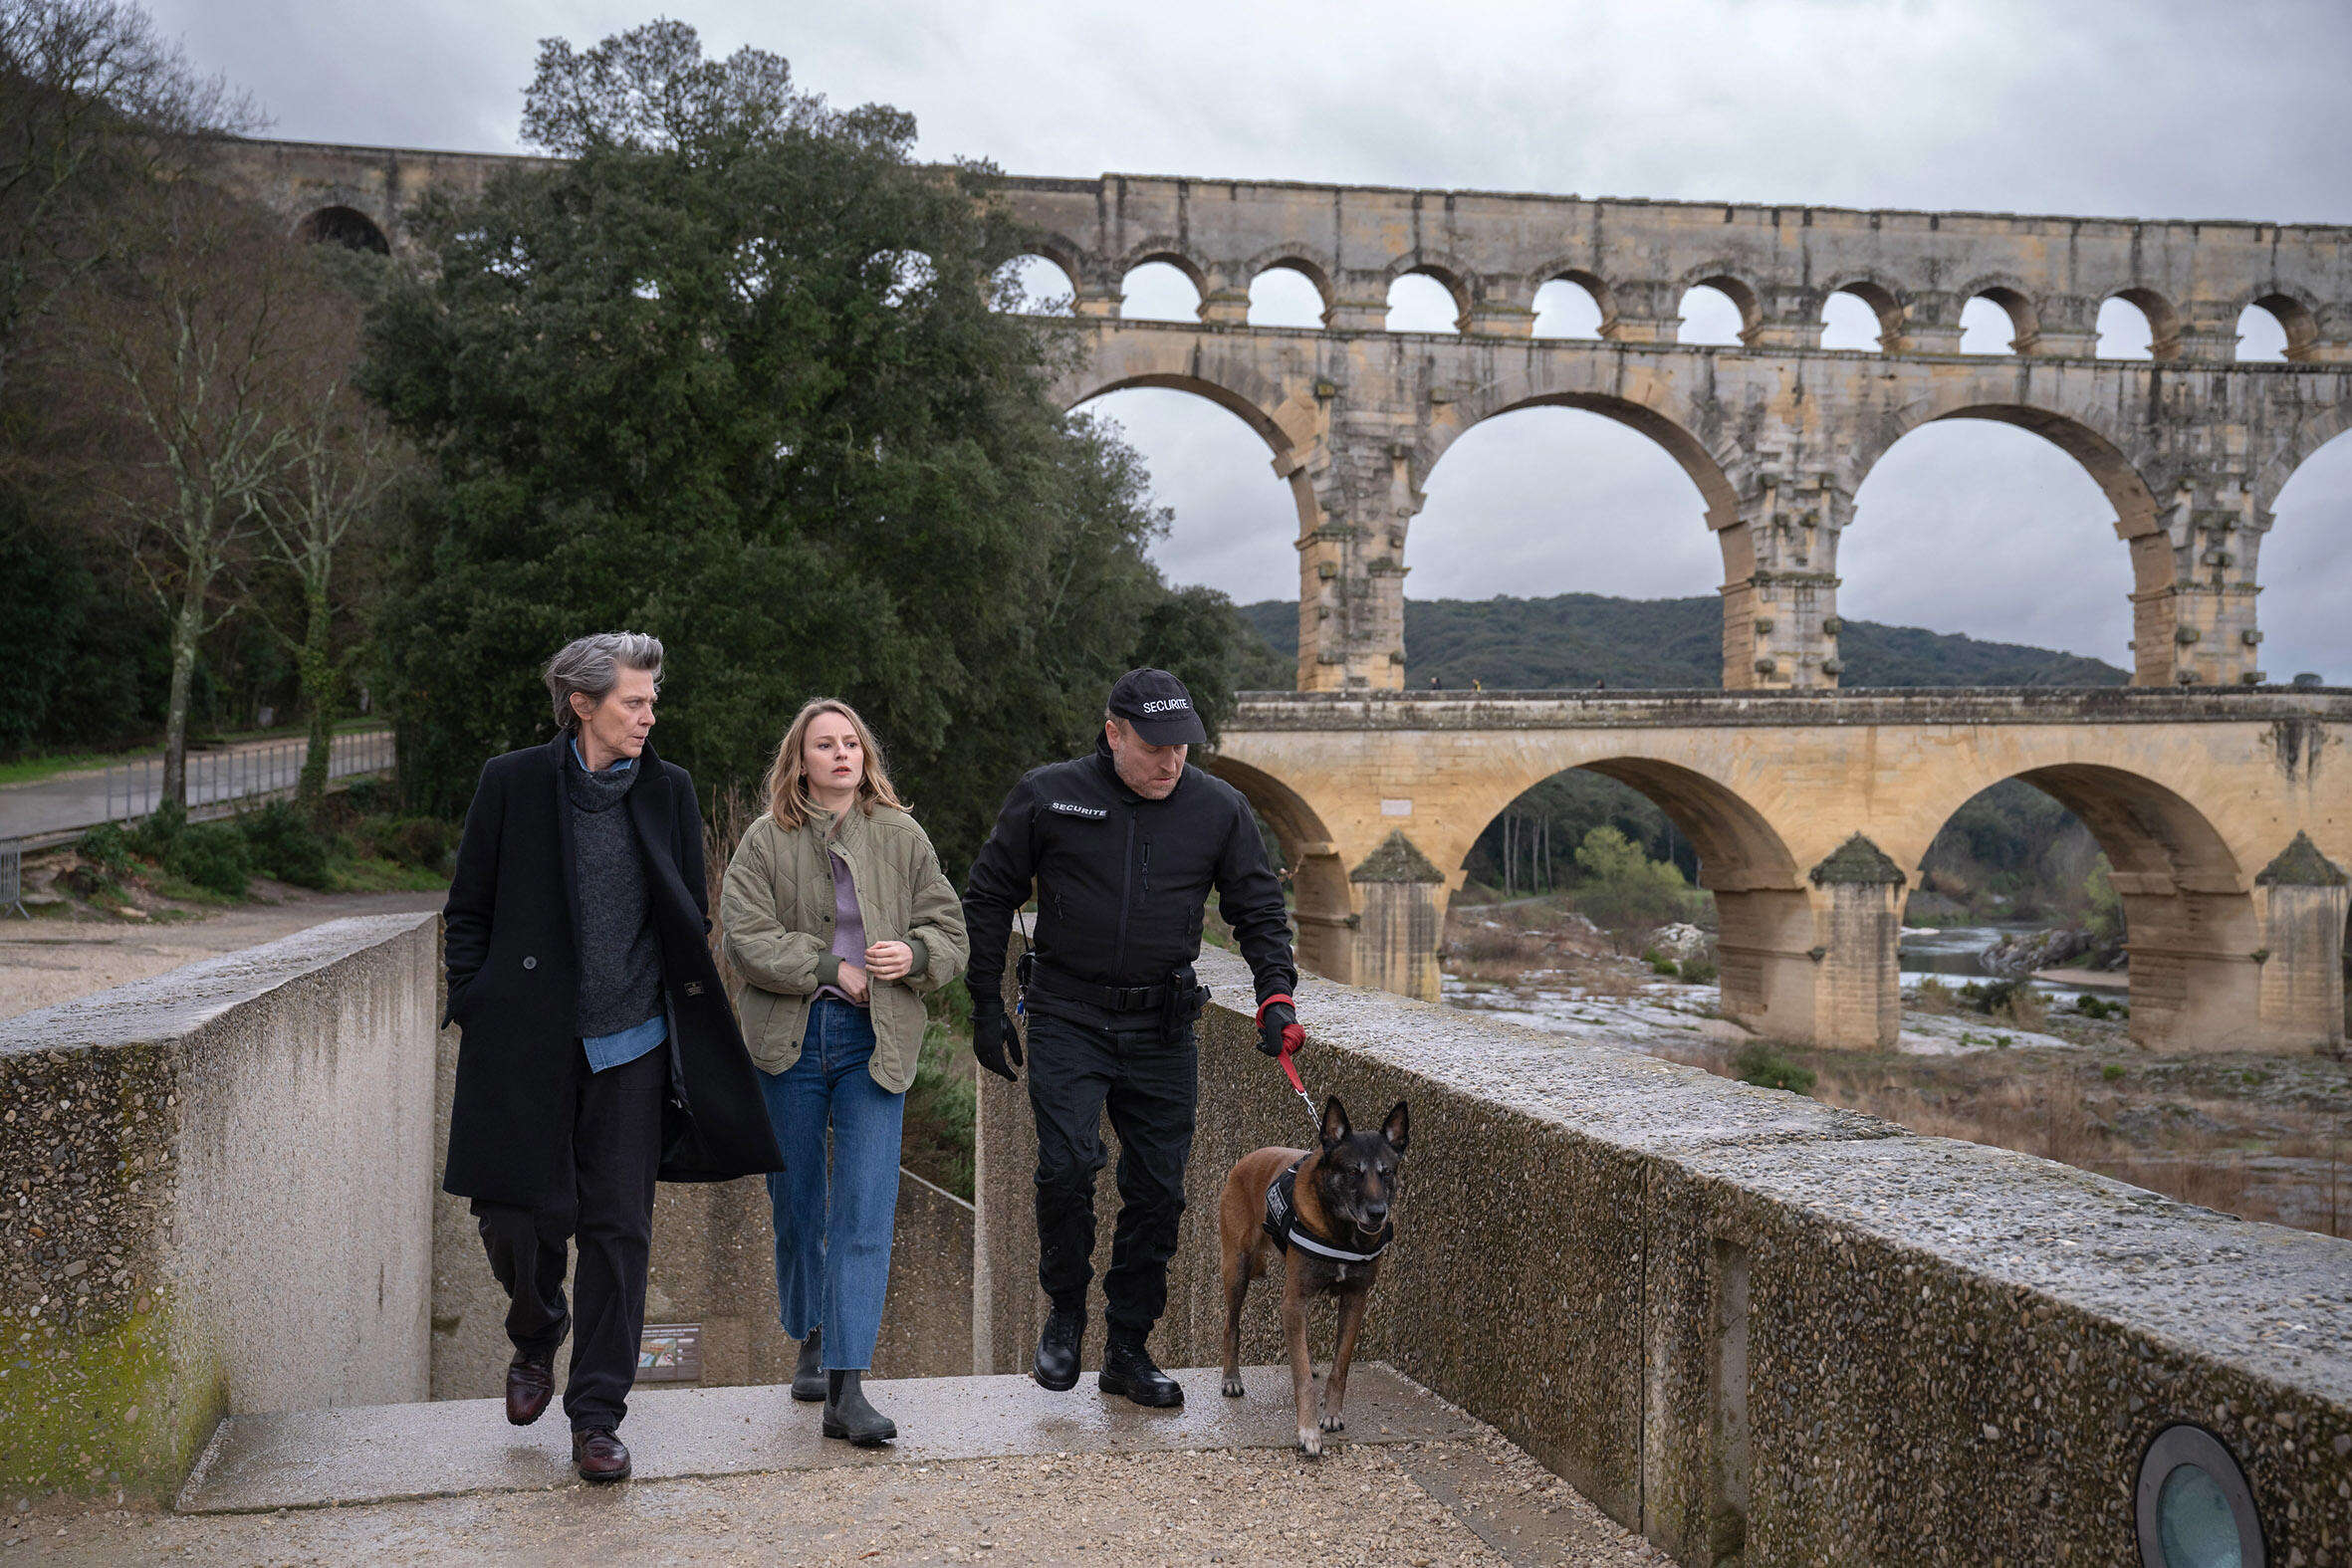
(1293, 1036)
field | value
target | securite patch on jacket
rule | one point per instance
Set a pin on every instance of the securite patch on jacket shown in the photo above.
(1073, 808)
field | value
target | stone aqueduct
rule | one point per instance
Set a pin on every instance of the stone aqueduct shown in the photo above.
(2225, 812)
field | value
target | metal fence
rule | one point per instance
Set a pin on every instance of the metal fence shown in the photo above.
(12, 878)
(242, 772)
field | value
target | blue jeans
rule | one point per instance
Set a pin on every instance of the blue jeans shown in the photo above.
(832, 1237)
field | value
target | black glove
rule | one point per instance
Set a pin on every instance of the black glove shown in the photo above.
(994, 1039)
(1276, 1020)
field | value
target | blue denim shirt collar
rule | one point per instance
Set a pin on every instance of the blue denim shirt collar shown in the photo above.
(620, 764)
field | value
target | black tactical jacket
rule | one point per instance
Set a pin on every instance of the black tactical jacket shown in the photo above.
(1121, 881)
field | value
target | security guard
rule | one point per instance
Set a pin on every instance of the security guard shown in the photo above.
(1123, 848)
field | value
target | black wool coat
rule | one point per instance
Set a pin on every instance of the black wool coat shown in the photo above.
(514, 986)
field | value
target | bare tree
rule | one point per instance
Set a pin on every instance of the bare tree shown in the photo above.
(206, 332)
(340, 460)
(94, 103)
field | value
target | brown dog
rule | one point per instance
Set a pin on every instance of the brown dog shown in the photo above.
(1331, 1214)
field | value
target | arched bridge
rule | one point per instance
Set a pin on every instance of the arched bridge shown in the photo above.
(2190, 446)
(2225, 818)
(2221, 810)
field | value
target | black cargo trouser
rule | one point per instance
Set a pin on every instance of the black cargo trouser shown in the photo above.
(1149, 1083)
(610, 1125)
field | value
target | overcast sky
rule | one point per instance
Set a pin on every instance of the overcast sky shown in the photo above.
(2225, 108)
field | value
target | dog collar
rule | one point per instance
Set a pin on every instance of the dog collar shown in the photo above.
(1288, 1229)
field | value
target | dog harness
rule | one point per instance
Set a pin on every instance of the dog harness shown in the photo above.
(1286, 1228)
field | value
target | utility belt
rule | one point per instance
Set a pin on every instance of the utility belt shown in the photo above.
(1175, 1002)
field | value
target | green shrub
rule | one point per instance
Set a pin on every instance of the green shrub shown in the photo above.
(1664, 965)
(151, 836)
(281, 842)
(212, 855)
(1623, 887)
(1766, 1067)
(2112, 1072)
(425, 841)
(1698, 972)
(108, 848)
(1933, 995)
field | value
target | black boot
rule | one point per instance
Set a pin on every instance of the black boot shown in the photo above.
(847, 1414)
(1127, 1369)
(807, 1376)
(1058, 1348)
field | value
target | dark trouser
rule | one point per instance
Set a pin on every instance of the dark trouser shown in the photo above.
(1150, 1085)
(610, 1125)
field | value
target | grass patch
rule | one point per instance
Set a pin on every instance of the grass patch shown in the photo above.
(1766, 1068)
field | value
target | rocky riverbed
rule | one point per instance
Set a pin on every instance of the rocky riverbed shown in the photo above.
(2267, 1137)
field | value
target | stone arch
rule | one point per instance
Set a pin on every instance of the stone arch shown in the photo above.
(1314, 265)
(1710, 473)
(1170, 252)
(1574, 271)
(1764, 913)
(2139, 514)
(2191, 928)
(2297, 312)
(1447, 271)
(2164, 320)
(2015, 298)
(1725, 280)
(1253, 410)
(1323, 900)
(1886, 302)
(345, 226)
(2101, 455)
(2311, 432)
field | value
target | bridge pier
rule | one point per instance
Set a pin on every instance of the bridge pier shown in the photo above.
(1764, 969)
(2302, 898)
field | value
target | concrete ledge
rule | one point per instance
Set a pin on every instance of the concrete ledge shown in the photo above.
(220, 1182)
(1753, 1327)
(318, 1459)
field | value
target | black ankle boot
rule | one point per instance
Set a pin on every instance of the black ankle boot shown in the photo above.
(807, 1376)
(1058, 1348)
(847, 1414)
(1127, 1369)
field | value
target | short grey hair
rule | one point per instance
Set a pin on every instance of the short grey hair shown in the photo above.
(592, 666)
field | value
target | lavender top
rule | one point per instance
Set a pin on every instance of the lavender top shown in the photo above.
(848, 924)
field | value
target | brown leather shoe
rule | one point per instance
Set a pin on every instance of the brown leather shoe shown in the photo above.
(601, 1455)
(529, 1385)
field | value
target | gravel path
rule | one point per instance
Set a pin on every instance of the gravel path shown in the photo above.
(1480, 1502)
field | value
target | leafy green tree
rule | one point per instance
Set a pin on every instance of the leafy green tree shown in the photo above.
(736, 372)
(1623, 888)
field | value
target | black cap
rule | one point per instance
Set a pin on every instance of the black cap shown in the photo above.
(1158, 708)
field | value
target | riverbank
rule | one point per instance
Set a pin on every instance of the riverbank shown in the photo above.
(2265, 1137)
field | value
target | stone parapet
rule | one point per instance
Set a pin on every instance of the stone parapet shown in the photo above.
(1753, 1327)
(219, 1184)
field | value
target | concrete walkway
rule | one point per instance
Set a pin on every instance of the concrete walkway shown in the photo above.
(65, 803)
(992, 1469)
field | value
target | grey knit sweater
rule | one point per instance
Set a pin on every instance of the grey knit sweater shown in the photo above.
(619, 957)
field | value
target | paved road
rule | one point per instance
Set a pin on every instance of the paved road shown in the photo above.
(73, 800)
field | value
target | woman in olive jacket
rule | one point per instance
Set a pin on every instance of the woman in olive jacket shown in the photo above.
(837, 918)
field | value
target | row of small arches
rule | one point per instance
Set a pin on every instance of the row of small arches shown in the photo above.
(1713, 314)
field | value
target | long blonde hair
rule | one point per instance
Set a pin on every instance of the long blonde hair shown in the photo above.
(789, 801)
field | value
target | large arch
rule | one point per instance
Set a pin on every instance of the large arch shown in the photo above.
(345, 226)
(2138, 521)
(2194, 933)
(1322, 901)
(1764, 924)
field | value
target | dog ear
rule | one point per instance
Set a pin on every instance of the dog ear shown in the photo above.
(1398, 1128)
(1336, 1128)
